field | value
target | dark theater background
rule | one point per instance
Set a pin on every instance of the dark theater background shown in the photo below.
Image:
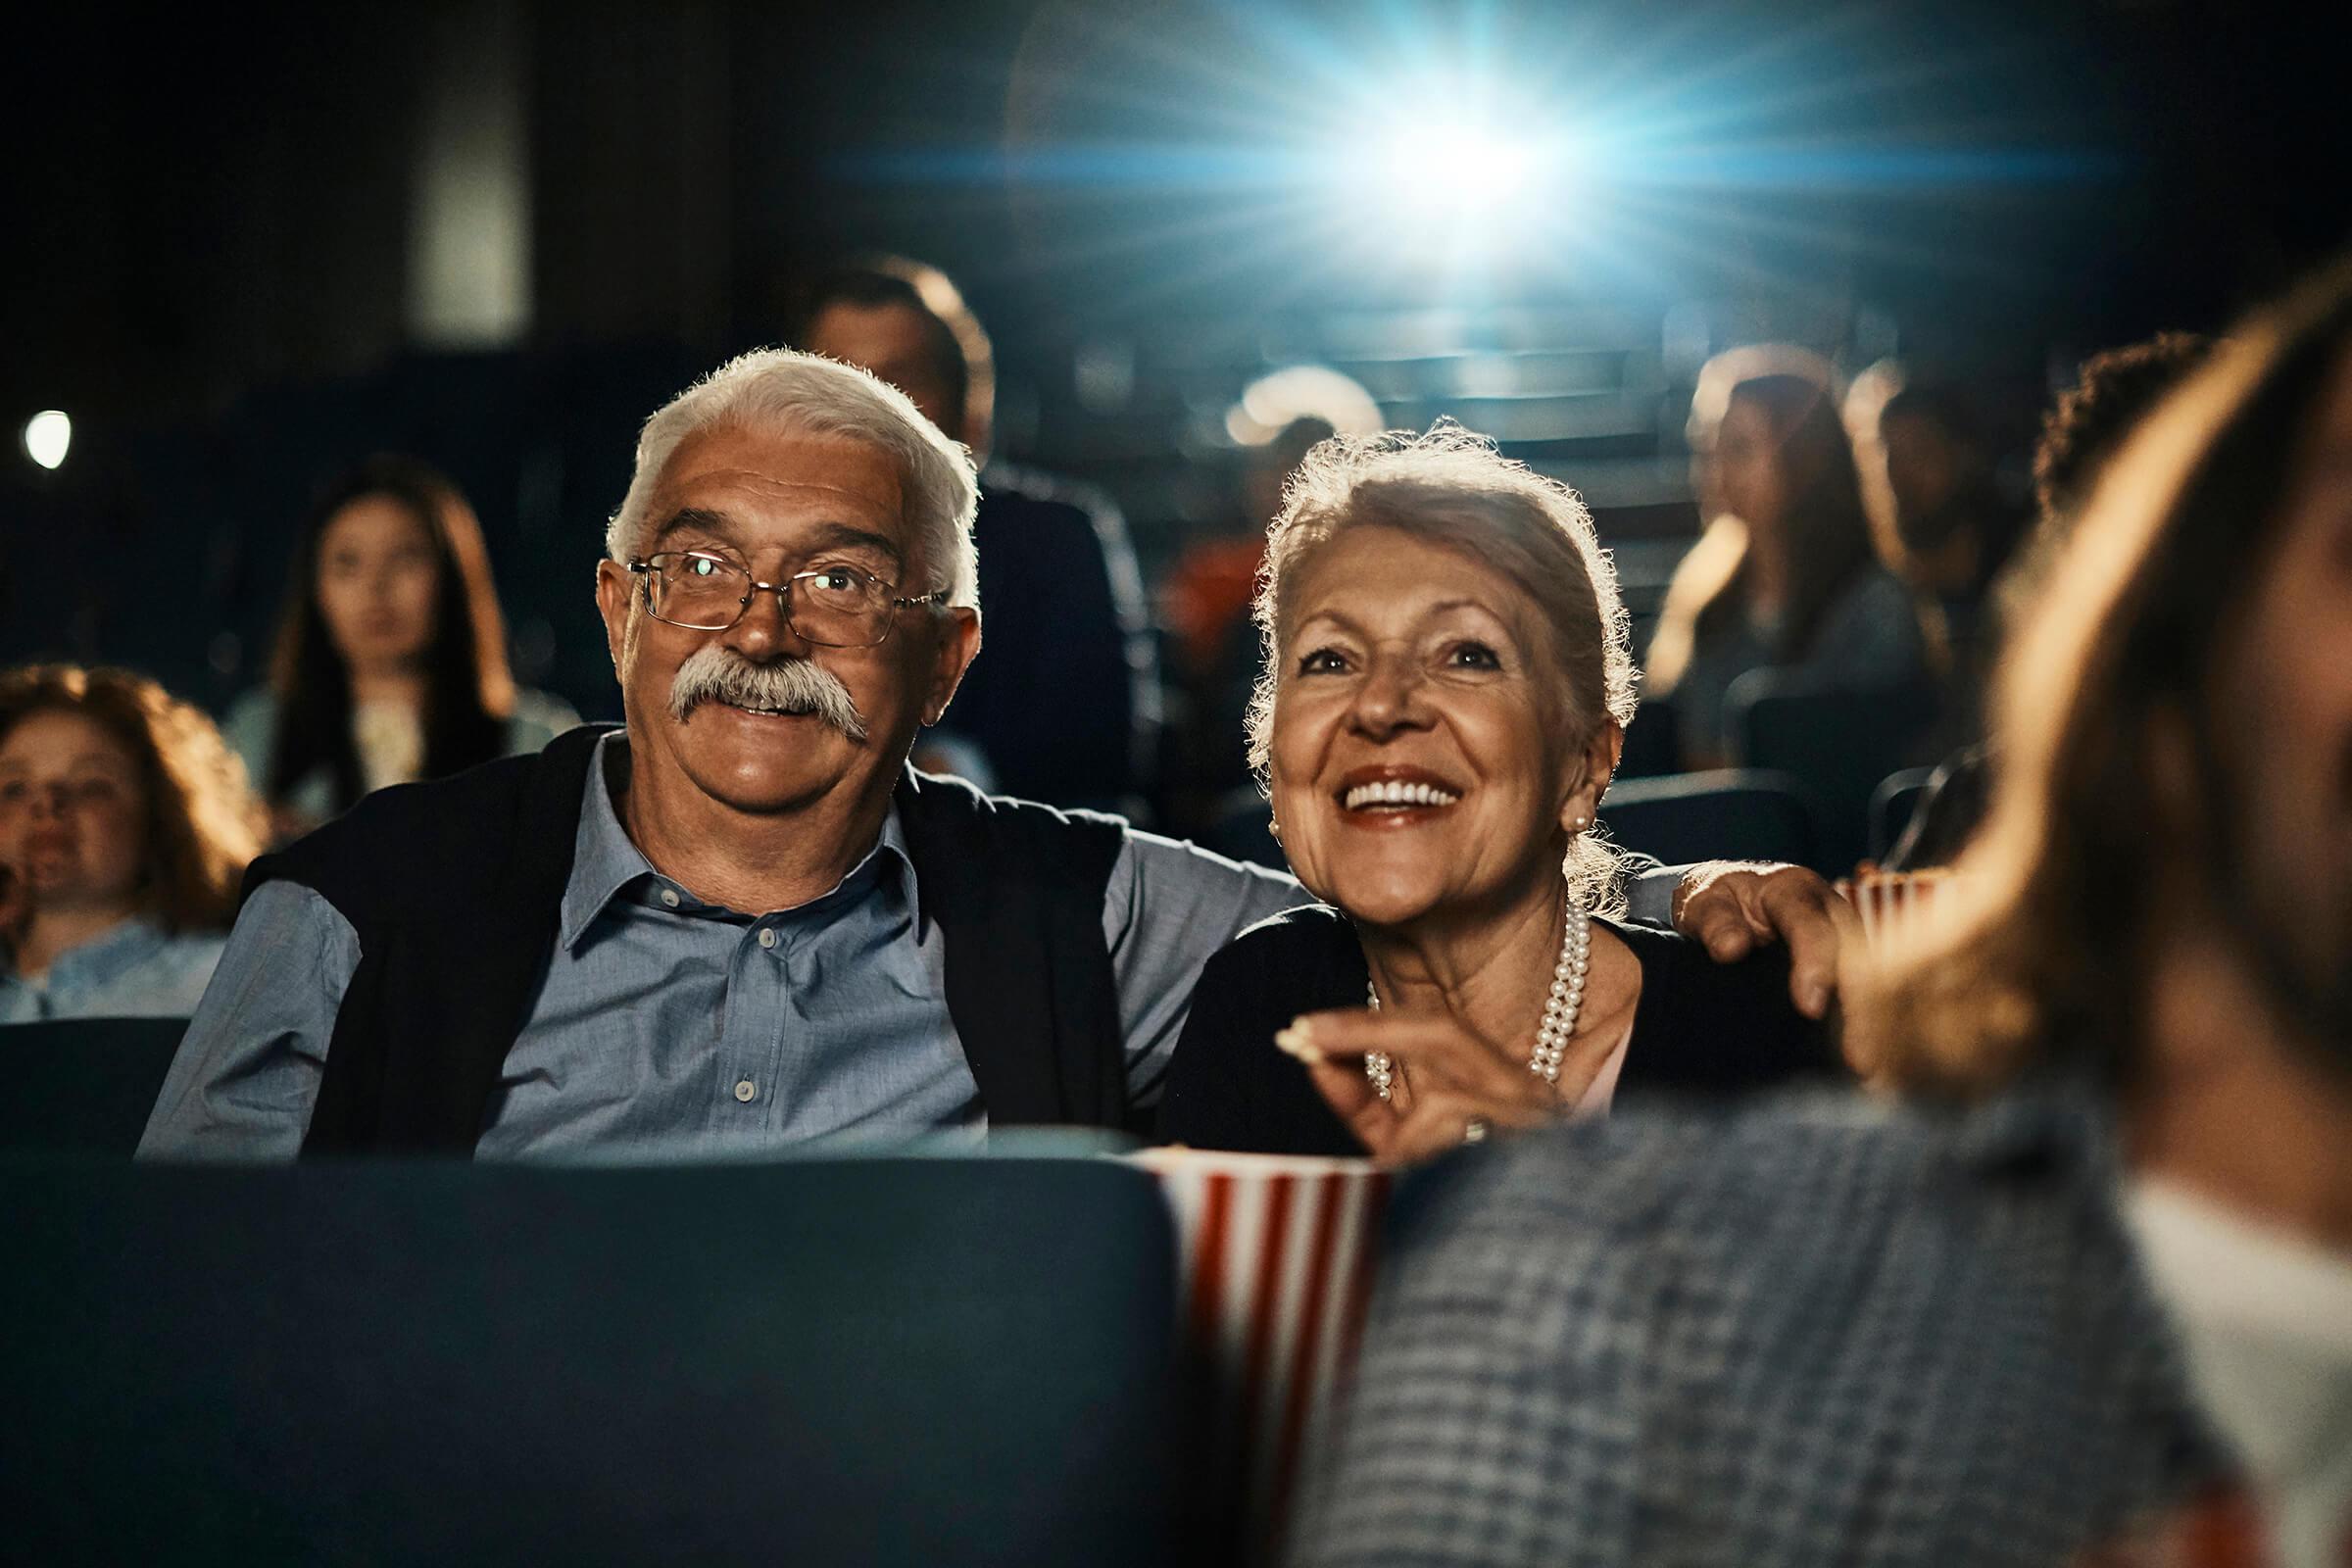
(248, 245)
(826, 1214)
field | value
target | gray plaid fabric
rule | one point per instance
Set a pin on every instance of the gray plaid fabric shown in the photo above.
(1806, 1332)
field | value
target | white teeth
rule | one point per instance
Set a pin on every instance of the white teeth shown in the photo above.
(1397, 792)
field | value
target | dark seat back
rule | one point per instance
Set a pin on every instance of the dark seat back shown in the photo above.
(1838, 743)
(1732, 814)
(946, 1360)
(83, 1085)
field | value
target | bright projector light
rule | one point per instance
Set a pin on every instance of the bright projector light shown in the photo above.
(1457, 168)
(47, 436)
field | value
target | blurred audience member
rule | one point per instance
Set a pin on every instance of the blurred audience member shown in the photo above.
(2114, 393)
(1206, 599)
(1783, 577)
(124, 826)
(2086, 1295)
(1954, 528)
(1065, 708)
(391, 660)
(1210, 587)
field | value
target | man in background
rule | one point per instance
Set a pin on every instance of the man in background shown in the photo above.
(1065, 708)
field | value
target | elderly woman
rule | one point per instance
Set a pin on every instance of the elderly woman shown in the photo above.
(124, 826)
(1447, 687)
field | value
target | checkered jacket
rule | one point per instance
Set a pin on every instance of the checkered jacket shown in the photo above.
(1813, 1331)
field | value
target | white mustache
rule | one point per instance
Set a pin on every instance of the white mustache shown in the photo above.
(715, 673)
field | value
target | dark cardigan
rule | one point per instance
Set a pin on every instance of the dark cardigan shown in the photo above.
(1701, 1027)
(454, 887)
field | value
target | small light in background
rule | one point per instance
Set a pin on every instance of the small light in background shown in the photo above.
(47, 436)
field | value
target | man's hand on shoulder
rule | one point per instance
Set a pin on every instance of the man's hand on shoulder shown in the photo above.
(1734, 907)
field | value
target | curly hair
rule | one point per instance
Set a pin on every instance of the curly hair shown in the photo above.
(1450, 487)
(204, 823)
(2038, 967)
(2114, 391)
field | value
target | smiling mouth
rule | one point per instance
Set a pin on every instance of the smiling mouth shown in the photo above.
(1396, 795)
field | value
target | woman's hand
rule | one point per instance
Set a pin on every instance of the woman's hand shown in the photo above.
(1449, 1077)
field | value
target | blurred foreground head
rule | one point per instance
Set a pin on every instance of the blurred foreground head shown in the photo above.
(2177, 724)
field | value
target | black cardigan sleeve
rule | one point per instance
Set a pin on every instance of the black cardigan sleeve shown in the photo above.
(1228, 1086)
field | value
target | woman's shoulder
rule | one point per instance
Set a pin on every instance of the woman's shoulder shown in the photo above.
(1228, 1087)
(1308, 950)
(1303, 928)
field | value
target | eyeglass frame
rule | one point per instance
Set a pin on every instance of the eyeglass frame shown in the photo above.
(642, 567)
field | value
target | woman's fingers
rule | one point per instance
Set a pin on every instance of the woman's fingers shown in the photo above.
(1351, 1098)
(1441, 1120)
(1433, 1049)
(1444, 1077)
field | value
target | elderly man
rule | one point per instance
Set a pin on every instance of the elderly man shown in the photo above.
(742, 922)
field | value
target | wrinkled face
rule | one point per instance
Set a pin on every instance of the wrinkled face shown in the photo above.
(1420, 760)
(896, 343)
(780, 505)
(72, 812)
(376, 584)
(1745, 469)
(2286, 690)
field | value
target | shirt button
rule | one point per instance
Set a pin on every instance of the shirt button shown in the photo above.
(669, 896)
(767, 936)
(745, 1089)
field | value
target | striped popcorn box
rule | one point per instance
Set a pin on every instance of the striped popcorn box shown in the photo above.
(1278, 1255)
(1889, 902)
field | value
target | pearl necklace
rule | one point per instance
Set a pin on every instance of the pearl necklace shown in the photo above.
(1560, 1009)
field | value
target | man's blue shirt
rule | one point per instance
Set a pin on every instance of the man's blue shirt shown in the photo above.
(670, 1028)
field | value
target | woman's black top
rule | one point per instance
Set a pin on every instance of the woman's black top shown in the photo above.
(1701, 1027)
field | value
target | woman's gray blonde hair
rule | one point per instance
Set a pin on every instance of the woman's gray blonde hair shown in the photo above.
(1450, 487)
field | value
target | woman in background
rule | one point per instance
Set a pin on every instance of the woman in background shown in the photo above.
(124, 827)
(1784, 575)
(391, 660)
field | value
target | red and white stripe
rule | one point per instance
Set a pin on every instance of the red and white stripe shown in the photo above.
(1277, 1265)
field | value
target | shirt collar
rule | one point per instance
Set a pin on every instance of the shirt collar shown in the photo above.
(605, 860)
(100, 959)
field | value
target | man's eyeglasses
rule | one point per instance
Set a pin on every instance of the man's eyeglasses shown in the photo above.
(832, 607)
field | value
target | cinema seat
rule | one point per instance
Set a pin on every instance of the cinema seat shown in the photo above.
(1838, 743)
(1732, 814)
(864, 1360)
(83, 1085)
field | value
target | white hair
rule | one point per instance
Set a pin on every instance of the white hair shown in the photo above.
(806, 394)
